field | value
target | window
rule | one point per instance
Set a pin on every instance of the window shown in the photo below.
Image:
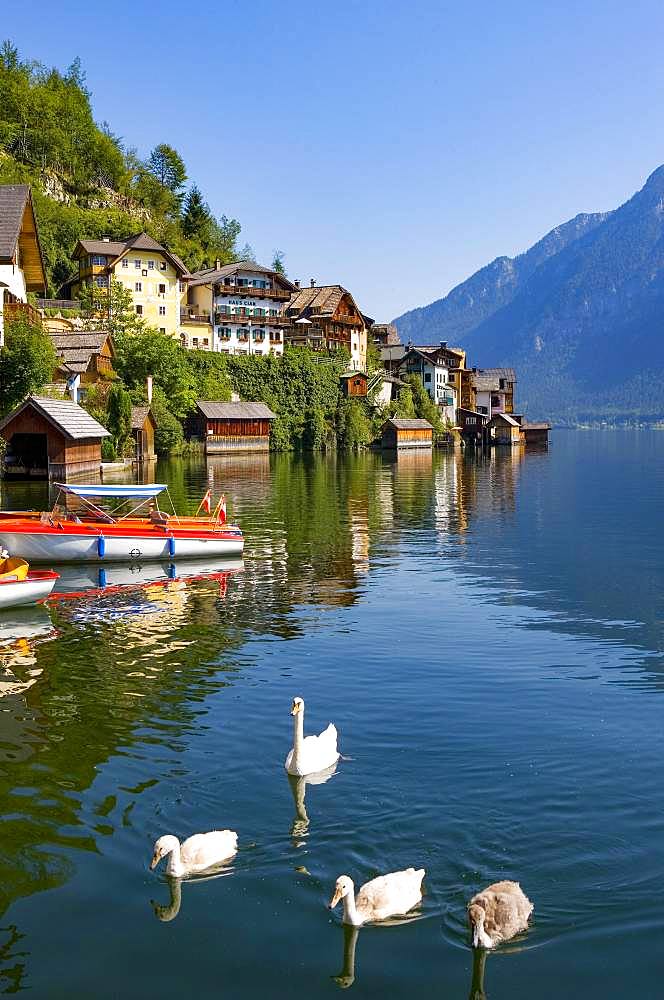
(101, 281)
(137, 265)
(194, 341)
(98, 260)
(151, 265)
(206, 341)
(139, 310)
(162, 329)
(162, 266)
(162, 310)
(427, 377)
(138, 286)
(144, 273)
(162, 289)
(125, 262)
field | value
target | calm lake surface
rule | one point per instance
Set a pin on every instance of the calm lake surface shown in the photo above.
(488, 637)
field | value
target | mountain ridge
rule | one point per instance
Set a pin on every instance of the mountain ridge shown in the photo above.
(580, 315)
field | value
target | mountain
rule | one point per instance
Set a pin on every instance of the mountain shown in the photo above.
(580, 315)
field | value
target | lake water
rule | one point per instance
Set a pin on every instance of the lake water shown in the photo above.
(487, 635)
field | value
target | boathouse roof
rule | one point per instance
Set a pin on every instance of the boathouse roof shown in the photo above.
(67, 416)
(235, 411)
(507, 418)
(139, 414)
(409, 423)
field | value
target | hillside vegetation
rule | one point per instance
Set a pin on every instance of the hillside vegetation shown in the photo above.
(580, 315)
(87, 183)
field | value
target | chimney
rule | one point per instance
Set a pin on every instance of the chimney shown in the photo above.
(313, 282)
(217, 264)
(297, 282)
(148, 387)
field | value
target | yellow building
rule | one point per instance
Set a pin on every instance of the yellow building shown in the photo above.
(153, 275)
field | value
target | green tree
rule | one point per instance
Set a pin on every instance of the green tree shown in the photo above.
(119, 417)
(353, 424)
(168, 434)
(111, 308)
(278, 262)
(152, 353)
(196, 217)
(166, 164)
(27, 362)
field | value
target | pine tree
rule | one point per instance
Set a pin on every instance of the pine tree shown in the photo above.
(196, 218)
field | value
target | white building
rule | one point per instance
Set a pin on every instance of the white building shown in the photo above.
(433, 370)
(21, 264)
(238, 307)
(494, 390)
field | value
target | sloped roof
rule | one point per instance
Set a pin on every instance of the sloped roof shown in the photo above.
(488, 379)
(324, 299)
(409, 423)
(76, 348)
(139, 415)
(507, 418)
(13, 199)
(120, 248)
(235, 411)
(18, 225)
(67, 416)
(537, 425)
(211, 274)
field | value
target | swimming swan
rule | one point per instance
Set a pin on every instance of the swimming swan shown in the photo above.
(313, 753)
(387, 896)
(498, 913)
(196, 854)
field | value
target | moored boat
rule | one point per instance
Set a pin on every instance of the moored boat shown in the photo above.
(99, 535)
(21, 585)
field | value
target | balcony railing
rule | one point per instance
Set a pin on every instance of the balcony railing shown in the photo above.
(191, 316)
(221, 318)
(24, 310)
(247, 291)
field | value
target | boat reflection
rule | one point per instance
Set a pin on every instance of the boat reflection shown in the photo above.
(346, 977)
(90, 581)
(21, 630)
(298, 787)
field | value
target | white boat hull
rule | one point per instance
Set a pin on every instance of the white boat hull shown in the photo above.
(16, 595)
(69, 548)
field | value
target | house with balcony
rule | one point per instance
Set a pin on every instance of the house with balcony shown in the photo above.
(432, 368)
(152, 274)
(236, 308)
(494, 390)
(326, 318)
(21, 263)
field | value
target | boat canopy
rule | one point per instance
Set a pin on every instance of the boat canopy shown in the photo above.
(139, 492)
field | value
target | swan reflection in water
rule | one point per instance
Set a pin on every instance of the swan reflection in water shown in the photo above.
(346, 977)
(477, 982)
(298, 787)
(172, 908)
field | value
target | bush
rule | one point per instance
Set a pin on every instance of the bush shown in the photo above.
(27, 362)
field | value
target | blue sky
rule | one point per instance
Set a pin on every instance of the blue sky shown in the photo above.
(391, 147)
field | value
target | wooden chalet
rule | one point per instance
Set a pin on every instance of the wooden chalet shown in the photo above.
(143, 427)
(86, 353)
(354, 384)
(51, 439)
(402, 432)
(232, 427)
(504, 429)
(326, 317)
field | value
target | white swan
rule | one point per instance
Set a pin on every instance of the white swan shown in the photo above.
(313, 753)
(387, 896)
(196, 854)
(497, 913)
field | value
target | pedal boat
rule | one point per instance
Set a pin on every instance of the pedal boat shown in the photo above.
(98, 536)
(21, 585)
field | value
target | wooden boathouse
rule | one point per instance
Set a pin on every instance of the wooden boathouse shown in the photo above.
(143, 427)
(472, 426)
(401, 432)
(505, 429)
(536, 433)
(354, 384)
(232, 427)
(51, 439)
